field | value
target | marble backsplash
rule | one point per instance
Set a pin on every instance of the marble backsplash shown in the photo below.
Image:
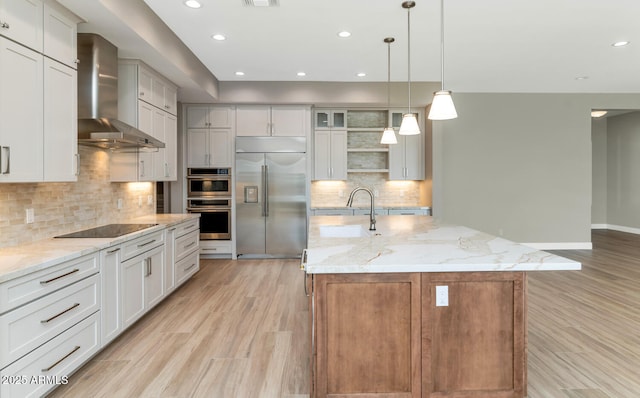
(389, 193)
(71, 206)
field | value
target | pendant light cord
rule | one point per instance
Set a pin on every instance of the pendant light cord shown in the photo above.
(388, 74)
(442, 43)
(409, 55)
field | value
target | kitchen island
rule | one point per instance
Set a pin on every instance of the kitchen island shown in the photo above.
(418, 308)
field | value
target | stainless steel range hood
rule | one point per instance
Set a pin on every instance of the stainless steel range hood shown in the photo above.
(98, 123)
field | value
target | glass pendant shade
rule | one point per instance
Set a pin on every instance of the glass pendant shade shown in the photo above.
(389, 136)
(409, 125)
(442, 107)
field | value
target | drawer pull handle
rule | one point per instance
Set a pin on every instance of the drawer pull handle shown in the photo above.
(189, 267)
(146, 244)
(113, 251)
(62, 313)
(189, 245)
(58, 277)
(61, 359)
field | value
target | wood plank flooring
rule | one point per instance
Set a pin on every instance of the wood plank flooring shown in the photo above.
(239, 329)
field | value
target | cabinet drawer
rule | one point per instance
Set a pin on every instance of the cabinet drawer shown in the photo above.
(53, 362)
(27, 288)
(215, 247)
(186, 243)
(186, 227)
(187, 267)
(31, 325)
(409, 212)
(142, 244)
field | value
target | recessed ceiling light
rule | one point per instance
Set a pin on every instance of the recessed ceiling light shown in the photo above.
(620, 43)
(239, 73)
(582, 77)
(192, 4)
(344, 33)
(598, 113)
(301, 74)
(361, 74)
(219, 37)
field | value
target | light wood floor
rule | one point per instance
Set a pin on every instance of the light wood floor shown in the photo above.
(239, 329)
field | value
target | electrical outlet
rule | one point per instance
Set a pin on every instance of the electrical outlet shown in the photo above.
(442, 296)
(150, 200)
(29, 216)
(139, 201)
(119, 204)
(375, 193)
(341, 193)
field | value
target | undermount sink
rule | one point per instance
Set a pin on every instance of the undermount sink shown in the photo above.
(343, 231)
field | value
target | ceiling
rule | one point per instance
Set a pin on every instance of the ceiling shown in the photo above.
(552, 46)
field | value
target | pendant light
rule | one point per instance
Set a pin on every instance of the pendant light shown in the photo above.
(442, 107)
(388, 135)
(409, 124)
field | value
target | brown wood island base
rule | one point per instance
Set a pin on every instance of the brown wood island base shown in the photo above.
(382, 335)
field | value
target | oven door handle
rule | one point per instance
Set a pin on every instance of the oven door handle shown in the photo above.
(207, 209)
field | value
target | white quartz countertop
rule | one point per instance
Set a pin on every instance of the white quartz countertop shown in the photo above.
(20, 260)
(343, 244)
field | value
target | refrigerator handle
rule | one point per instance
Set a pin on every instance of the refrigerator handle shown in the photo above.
(265, 190)
(263, 177)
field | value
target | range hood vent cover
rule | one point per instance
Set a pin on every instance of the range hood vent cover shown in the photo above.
(98, 123)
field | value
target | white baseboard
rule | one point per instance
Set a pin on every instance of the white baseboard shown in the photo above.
(620, 228)
(561, 245)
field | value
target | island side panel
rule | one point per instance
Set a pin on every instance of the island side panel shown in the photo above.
(475, 346)
(368, 335)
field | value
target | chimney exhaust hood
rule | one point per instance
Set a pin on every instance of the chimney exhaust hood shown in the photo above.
(98, 123)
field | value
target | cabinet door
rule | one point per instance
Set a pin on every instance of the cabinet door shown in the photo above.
(145, 90)
(110, 311)
(159, 163)
(475, 345)
(368, 335)
(329, 119)
(171, 99)
(60, 122)
(413, 154)
(132, 293)
(21, 113)
(21, 21)
(220, 148)
(158, 87)
(171, 148)
(146, 116)
(221, 117)
(197, 148)
(197, 117)
(154, 281)
(170, 259)
(330, 155)
(289, 121)
(60, 33)
(253, 121)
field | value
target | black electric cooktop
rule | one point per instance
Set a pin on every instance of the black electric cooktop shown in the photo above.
(108, 231)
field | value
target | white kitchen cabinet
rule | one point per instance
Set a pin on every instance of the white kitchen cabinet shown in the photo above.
(154, 88)
(140, 111)
(61, 159)
(281, 120)
(330, 155)
(21, 113)
(209, 147)
(21, 21)
(204, 117)
(111, 317)
(406, 158)
(60, 34)
(327, 119)
(142, 284)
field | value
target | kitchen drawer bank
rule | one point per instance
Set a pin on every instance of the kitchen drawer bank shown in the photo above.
(380, 211)
(63, 300)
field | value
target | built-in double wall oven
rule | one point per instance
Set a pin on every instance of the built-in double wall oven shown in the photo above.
(209, 193)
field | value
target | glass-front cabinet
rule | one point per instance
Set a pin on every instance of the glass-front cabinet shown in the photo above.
(327, 119)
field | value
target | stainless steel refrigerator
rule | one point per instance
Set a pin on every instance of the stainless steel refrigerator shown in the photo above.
(271, 200)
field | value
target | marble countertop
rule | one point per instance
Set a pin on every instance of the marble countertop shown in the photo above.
(343, 244)
(21, 260)
(368, 207)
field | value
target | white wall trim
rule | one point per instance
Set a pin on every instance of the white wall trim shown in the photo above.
(560, 245)
(620, 228)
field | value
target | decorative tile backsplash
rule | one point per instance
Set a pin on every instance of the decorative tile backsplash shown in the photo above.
(70, 206)
(390, 193)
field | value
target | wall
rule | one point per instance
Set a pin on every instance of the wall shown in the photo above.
(599, 172)
(519, 165)
(67, 207)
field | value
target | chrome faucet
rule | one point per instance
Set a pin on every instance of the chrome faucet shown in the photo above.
(372, 216)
